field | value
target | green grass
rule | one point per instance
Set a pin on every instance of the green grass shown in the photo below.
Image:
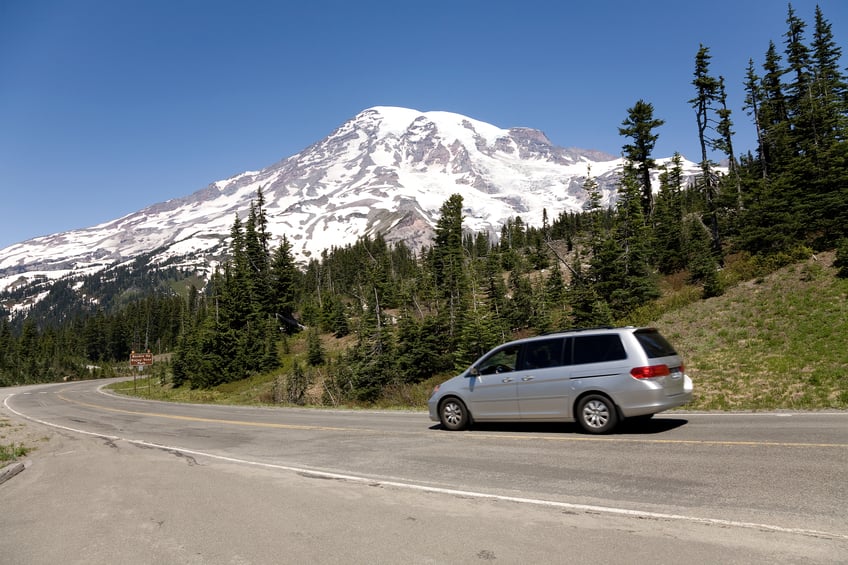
(12, 451)
(774, 341)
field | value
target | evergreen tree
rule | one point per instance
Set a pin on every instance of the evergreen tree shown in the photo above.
(620, 266)
(753, 101)
(521, 311)
(421, 353)
(315, 351)
(588, 309)
(798, 89)
(296, 385)
(555, 289)
(7, 352)
(707, 93)
(841, 261)
(257, 256)
(372, 360)
(830, 88)
(448, 263)
(668, 212)
(774, 117)
(285, 282)
(639, 126)
(703, 267)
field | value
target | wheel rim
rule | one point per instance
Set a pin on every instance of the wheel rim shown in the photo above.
(453, 413)
(596, 414)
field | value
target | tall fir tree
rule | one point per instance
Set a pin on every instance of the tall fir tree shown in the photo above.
(707, 93)
(448, 263)
(668, 213)
(639, 126)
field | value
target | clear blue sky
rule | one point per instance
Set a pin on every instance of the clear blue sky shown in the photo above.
(108, 106)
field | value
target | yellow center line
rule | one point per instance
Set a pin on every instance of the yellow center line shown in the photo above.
(667, 441)
(209, 420)
(469, 434)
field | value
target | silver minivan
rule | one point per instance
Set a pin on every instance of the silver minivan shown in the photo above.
(595, 377)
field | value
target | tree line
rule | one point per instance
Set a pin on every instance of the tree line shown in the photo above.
(400, 317)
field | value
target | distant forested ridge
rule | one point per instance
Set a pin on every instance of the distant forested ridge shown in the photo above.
(398, 316)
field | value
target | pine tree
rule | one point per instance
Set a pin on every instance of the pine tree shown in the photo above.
(620, 266)
(724, 142)
(588, 308)
(799, 89)
(257, 256)
(592, 207)
(703, 267)
(448, 263)
(296, 385)
(285, 282)
(639, 126)
(555, 289)
(753, 101)
(830, 88)
(828, 152)
(372, 361)
(315, 351)
(774, 117)
(707, 93)
(668, 213)
(521, 309)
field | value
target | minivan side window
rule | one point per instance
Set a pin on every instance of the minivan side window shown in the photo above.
(541, 354)
(598, 348)
(501, 361)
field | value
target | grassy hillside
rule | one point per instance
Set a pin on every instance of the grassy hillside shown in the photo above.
(775, 342)
(780, 341)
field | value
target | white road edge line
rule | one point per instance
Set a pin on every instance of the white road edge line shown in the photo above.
(453, 492)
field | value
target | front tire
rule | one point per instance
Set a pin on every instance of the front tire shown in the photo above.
(596, 414)
(453, 414)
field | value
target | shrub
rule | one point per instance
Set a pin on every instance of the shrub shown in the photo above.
(841, 262)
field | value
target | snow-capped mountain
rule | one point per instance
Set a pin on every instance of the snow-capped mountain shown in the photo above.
(387, 170)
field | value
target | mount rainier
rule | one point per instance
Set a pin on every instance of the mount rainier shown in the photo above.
(387, 170)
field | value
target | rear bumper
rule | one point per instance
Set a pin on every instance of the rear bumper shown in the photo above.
(654, 401)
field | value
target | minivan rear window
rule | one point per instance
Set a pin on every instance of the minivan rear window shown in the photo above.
(654, 344)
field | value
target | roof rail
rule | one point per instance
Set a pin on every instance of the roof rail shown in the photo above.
(582, 329)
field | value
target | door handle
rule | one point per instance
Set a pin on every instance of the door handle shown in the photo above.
(507, 380)
(525, 379)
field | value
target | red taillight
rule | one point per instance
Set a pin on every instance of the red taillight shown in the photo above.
(650, 372)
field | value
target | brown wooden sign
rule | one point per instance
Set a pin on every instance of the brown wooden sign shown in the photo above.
(140, 359)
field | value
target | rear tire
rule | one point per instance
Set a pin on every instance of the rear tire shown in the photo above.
(596, 414)
(453, 414)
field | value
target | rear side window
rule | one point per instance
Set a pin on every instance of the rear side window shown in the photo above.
(654, 344)
(598, 348)
(542, 354)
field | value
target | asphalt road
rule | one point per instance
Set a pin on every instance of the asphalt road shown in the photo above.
(134, 481)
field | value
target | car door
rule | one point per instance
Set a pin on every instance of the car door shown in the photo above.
(491, 388)
(544, 387)
(599, 362)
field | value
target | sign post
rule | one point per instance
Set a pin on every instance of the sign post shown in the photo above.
(140, 360)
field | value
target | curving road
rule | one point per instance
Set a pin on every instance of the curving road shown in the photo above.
(142, 481)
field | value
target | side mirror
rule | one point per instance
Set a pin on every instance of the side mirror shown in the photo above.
(474, 372)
